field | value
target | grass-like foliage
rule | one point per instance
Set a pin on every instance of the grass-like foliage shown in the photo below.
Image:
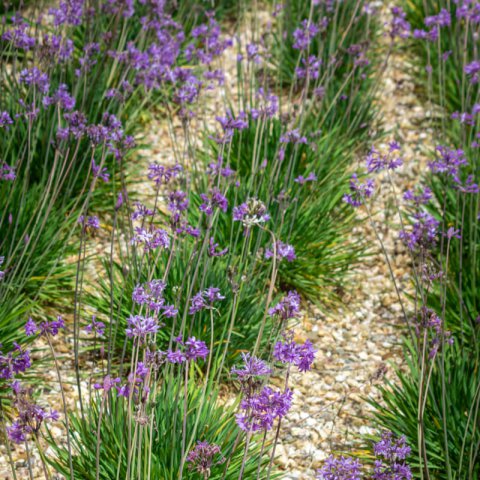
(189, 269)
(158, 453)
(436, 402)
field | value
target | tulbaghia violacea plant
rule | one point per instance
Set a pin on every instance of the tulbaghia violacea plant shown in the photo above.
(194, 272)
(390, 462)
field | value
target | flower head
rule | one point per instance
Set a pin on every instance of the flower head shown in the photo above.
(300, 355)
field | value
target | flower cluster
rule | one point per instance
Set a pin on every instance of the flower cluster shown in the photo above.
(252, 212)
(97, 327)
(281, 251)
(150, 294)
(300, 355)
(377, 161)
(140, 326)
(204, 300)
(151, 238)
(190, 350)
(260, 410)
(359, 192)
(288, 307)
(202, 458)
(390, 454)
(14, 362)
(214, 199)
(44, 328)
(30, 415)
(340, 468)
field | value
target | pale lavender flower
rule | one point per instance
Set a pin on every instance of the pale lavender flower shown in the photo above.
(202, 457)
(263, 408)
(95, 326)
(301, 180)
(340, 468)
(283, 251)
(140, 327)
(252, 367)
(5, 120)
(107, 384)
(359, 191)
(288, 307)
(300, 355)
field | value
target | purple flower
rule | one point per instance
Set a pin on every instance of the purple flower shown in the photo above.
(7, 173)
(301, 180)
(253, 52)
(16, 432)
(176, 356)
(303, 36)
(377, 161)
(139, 326)
(5, 120)
(195, 349)
(283, 251)
(30, 328)
(392, 448)
(263, 408)
(310, 68)
(212, 294)
(252, 212)
(469, 186)
(16, 361)
(340, 468)
(77, 125)
(59, 48)
(34, 76)
(69, 12)
(288, 307)
(61, 98)
(472, 69)
(141, 211)
(215, 199)
(151, 239)
(217, 168)
(359, 191)
(449, 161)
(107, 384)
(97, 327)
(207, 43)
(204, 300)
(30, 415)
(252, 367)
(192, 349)
(267, 105)
(229, 124)
(45, 328)
(391, 452)
(90, 222)
(151, 295)
(201, 458)
(442, 19)
(162, 175)
(293, 136)
(399, 26)
(178, 203)
(99, 172)
(300, 355)
(423, 233)
(213, 249)
(18, 35)
(422, 198)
